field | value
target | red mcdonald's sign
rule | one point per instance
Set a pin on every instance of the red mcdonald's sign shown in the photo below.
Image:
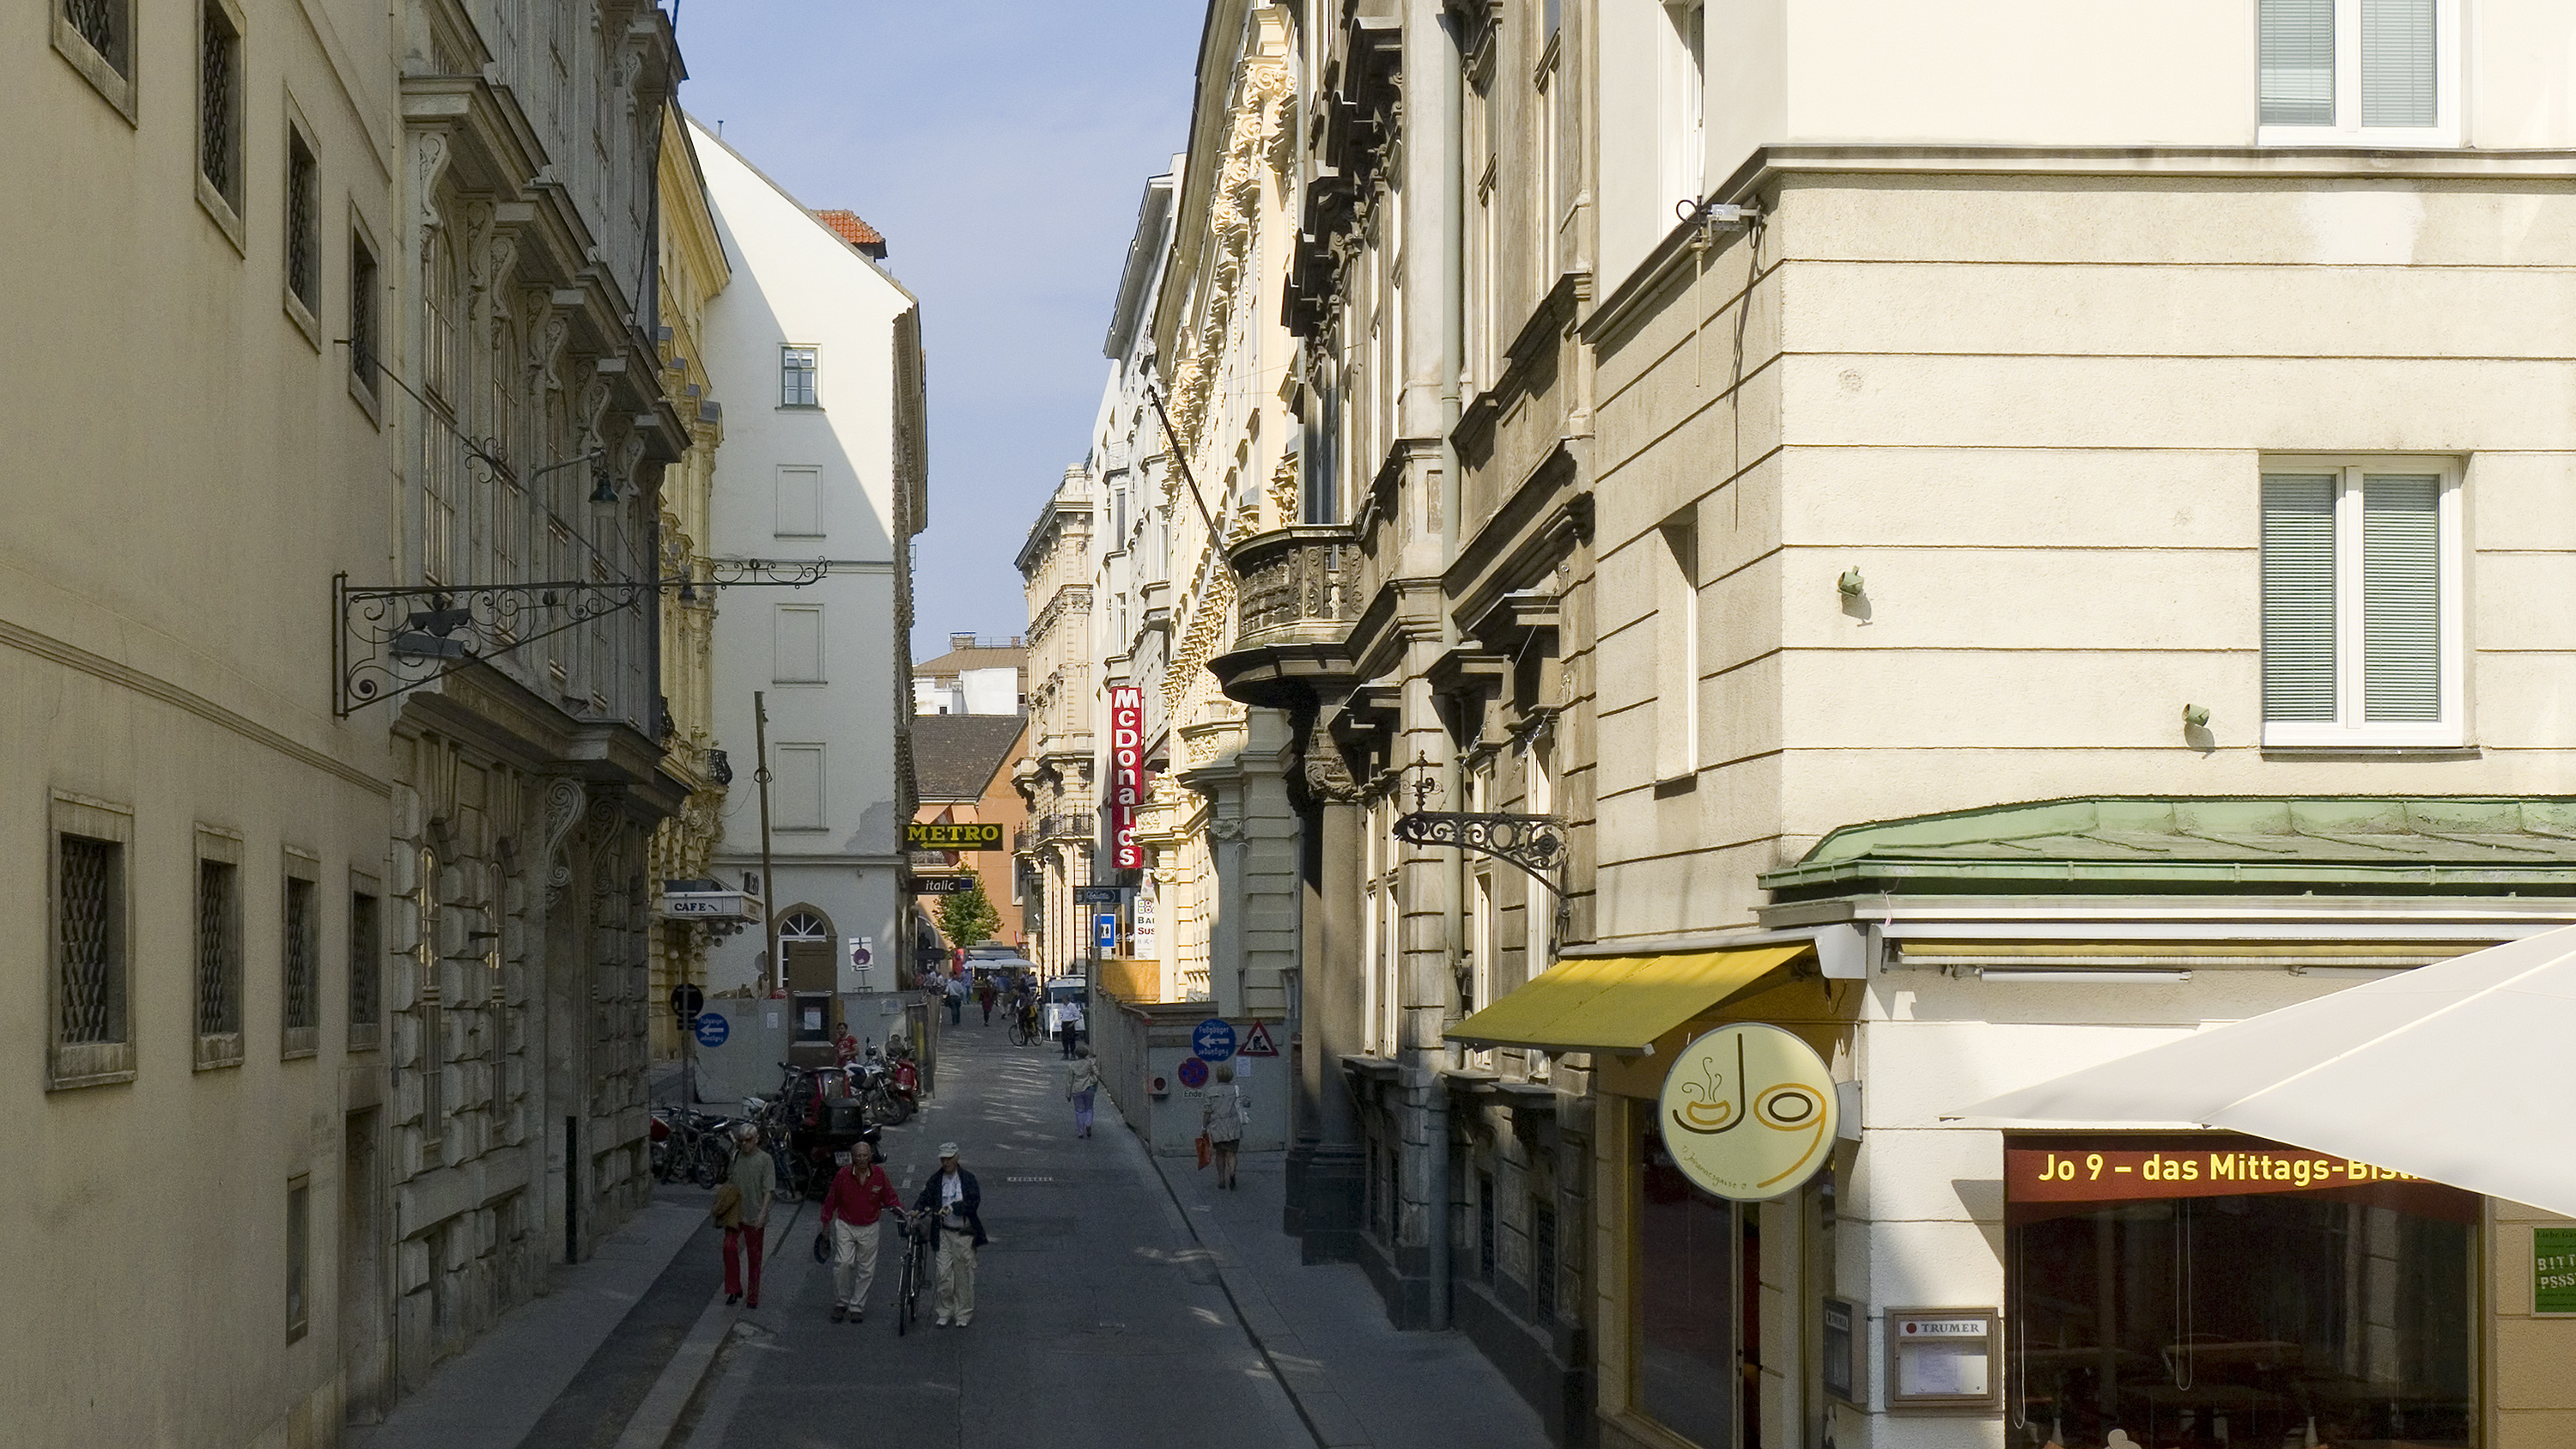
(1126, 773)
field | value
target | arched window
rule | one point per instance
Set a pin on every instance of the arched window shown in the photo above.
(804, 923)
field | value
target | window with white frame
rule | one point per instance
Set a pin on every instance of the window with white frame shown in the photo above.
(2361, 602)
(1686, 102)
(2375, 72)
(796, 369)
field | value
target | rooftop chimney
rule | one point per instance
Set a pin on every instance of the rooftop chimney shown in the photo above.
(961, 641)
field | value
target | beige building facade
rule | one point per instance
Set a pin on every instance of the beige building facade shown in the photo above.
(1057, 848)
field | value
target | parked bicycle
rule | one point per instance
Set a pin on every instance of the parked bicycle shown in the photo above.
(691, 1145)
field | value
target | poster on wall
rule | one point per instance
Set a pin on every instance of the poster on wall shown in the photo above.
(1126, 773)
(1141, 933)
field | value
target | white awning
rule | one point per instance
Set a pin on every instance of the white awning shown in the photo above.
(2463, 1072)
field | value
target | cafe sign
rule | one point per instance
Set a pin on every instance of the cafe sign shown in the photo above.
(1748, 1112)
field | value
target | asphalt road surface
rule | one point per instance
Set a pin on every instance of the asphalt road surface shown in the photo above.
(1098, 1319)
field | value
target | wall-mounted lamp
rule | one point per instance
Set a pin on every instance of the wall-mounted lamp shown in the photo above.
(1850, 583)
(2196, 716)
(603, 486)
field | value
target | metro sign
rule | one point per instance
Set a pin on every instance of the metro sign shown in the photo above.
(920, 835)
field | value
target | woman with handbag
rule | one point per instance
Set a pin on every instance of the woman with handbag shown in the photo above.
(1081, 1080)
(1221, 1122)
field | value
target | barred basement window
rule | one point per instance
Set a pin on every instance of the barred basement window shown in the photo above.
(299, 1257)
(218, 963)
(303, 966)
(92, 943)
(303, 241)
(366, 971)
(1542, 1261)
(105, 24)
(219, 103)
(362, 314)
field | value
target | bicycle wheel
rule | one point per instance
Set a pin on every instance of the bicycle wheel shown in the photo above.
(903, 1291)
(712, 1162)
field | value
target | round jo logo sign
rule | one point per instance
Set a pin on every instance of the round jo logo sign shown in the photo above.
(1748, 1112)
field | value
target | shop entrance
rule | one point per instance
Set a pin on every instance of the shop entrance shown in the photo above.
(1699, 1331)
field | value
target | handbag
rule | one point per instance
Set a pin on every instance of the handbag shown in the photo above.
(823, 1246)
(727, 1208)
(1204, 1151)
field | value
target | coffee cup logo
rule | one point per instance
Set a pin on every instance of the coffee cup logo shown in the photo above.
(1748, 1112)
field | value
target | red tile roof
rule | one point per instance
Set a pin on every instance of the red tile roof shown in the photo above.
(850, 228)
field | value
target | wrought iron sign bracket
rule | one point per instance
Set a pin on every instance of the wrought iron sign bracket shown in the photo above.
(1534, 843)
(389, 641)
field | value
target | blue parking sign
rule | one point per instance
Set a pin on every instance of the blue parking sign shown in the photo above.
(1104, 930)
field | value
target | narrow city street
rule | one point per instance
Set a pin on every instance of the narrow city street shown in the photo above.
(1118, 1304)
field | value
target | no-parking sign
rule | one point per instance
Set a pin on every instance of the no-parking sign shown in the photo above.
(1193, 1073)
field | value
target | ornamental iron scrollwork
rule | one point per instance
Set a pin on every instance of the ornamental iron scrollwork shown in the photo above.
(1535, 843)
(390, 641)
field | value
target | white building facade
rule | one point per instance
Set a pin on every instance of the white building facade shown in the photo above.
(825, 459)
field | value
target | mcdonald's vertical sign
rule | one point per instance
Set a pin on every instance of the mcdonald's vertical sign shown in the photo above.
(1126, 773)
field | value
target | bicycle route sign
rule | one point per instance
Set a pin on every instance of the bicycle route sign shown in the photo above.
(713, 1029)
(1212, 1040)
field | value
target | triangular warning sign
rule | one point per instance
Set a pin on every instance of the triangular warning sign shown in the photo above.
(1257, 1043)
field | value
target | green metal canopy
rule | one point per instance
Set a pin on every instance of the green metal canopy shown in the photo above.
(2400, 844)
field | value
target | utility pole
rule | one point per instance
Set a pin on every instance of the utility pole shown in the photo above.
(770, 973)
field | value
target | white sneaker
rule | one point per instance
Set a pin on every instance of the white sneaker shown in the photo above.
(939, 1323)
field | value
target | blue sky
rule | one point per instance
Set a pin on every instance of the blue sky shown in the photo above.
(1001, 147)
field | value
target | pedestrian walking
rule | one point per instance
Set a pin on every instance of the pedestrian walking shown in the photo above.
(755, 1178)
(956, 1000)
(951, 1194)
(985, 995)
(860, 1195)
(1081, 1081)
(1221, 1117)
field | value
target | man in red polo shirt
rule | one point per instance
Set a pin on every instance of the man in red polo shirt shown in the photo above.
(860, 1193)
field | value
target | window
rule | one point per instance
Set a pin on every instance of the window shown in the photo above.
(2361, 603)
(362, 316)
(219, 86)
(1485, 1228)
(800, 502)
(2301, 1307)
(1542, 1284)
(799, 787)
(1540, 913)
(299, 1256)
(432, 1066)
(300, 961)
(97, 37)
(796, 366)
(219, 952)
(1696, 1326)
(1675, 561)
(2377, 72)
(93, 1038)
(438, 313)
(1688, 100)
(303, 236)
(366, 970)
(1550, 192)
(798, 654)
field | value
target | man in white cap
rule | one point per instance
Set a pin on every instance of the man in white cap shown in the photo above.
(951, 1194)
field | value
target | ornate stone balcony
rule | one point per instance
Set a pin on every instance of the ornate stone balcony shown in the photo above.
(1297, 594)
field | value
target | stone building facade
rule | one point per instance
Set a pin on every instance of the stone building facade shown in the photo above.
(1056, 849)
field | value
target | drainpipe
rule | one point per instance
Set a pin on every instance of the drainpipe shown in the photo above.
(1452, 192)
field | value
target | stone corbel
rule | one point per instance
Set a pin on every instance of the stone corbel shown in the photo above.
(430, 152)
(566, 800)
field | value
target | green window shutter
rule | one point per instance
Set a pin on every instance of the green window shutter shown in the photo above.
(2299, 596)
(2397, 63)
(2297, 61)
(2401, 598)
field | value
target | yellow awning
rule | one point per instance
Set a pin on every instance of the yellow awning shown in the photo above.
(1620, 1003)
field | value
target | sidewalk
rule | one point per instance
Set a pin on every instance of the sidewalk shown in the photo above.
(1356, 1380)
(491, 1395)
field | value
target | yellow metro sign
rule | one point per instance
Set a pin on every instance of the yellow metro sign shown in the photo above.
(921, 836)
(1748, 1112)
